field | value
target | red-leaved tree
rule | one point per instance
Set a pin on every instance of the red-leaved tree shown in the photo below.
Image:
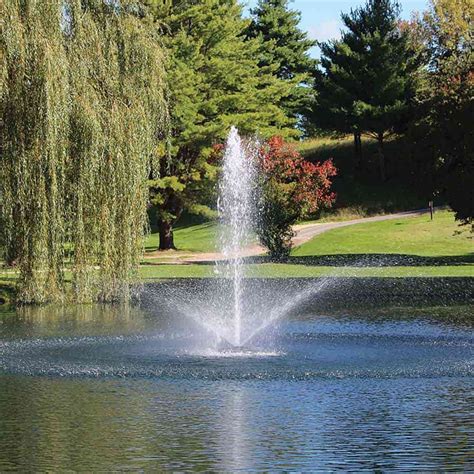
(290, 189)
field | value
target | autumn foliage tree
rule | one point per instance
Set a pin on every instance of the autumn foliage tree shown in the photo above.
(447, 103)
(291, 189)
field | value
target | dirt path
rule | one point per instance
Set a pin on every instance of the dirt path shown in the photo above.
(304, 232)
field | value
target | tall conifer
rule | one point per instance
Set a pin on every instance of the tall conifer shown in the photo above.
(285, 49)
(214, 82)
(367, 81)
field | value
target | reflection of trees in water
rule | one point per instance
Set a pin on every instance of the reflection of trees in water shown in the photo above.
(100, 425)
(453, 429)
(36, 321)
(62, 424)
(109, 424)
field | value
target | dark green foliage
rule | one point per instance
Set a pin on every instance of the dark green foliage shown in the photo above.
(367, 83)
(363, 194)
(284, 49)
(276, 218)
(214, 82)
(444, 131)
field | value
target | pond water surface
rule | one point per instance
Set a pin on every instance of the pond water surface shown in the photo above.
(111, 388)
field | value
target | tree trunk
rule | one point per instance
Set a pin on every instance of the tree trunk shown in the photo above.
(165, 230)
(358, 150)
(381, 156)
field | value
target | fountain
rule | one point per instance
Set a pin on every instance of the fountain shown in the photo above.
(233, 374)
(236, 213)
(235, 310)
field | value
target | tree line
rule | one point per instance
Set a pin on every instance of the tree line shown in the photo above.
(109, 107)
(384, 77)
(415, 78)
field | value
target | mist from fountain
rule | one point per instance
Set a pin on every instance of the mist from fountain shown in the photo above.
(236, 216)
(234, 309)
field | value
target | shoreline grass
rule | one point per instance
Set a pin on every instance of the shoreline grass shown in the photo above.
(413, 247)
(281, 270)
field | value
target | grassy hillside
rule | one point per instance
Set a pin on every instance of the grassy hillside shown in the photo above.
(360, 191)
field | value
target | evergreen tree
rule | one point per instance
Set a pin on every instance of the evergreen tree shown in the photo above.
(285, 50)
(367, 82)
(214, 82)
(336, 90)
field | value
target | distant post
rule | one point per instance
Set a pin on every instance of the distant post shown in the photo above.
(430, 205)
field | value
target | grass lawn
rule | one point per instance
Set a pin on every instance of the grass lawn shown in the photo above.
(411, 236)
(191, 238)
(414, 247)
(276, 270)
(419, 248)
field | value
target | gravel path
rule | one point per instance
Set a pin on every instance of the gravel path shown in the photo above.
(304, 232)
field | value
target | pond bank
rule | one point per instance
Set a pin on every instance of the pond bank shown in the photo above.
(339, 294)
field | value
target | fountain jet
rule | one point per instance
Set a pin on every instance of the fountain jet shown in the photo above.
(232, 309)
(236, 212)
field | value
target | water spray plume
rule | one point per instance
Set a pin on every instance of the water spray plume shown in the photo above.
(236, 212)
(234, 310)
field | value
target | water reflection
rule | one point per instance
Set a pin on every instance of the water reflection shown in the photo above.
(104, 425)
(43, 321)
(344, 393)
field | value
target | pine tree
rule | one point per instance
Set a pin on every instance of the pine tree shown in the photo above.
(337, 90)
(285, 50)
(214, 82)
(368, 81)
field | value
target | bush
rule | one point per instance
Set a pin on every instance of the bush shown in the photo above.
(290, 189)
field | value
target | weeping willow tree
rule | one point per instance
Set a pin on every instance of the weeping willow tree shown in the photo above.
(82, 107)
(34, 131)
(117, 105)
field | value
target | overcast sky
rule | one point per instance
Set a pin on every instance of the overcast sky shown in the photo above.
(322, 18)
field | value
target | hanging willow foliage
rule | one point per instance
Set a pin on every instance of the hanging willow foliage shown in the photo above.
(82, 89)
(34, 132)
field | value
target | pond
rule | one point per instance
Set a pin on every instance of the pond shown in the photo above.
(111, 388)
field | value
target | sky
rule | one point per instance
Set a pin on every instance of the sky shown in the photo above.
(322, 18)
